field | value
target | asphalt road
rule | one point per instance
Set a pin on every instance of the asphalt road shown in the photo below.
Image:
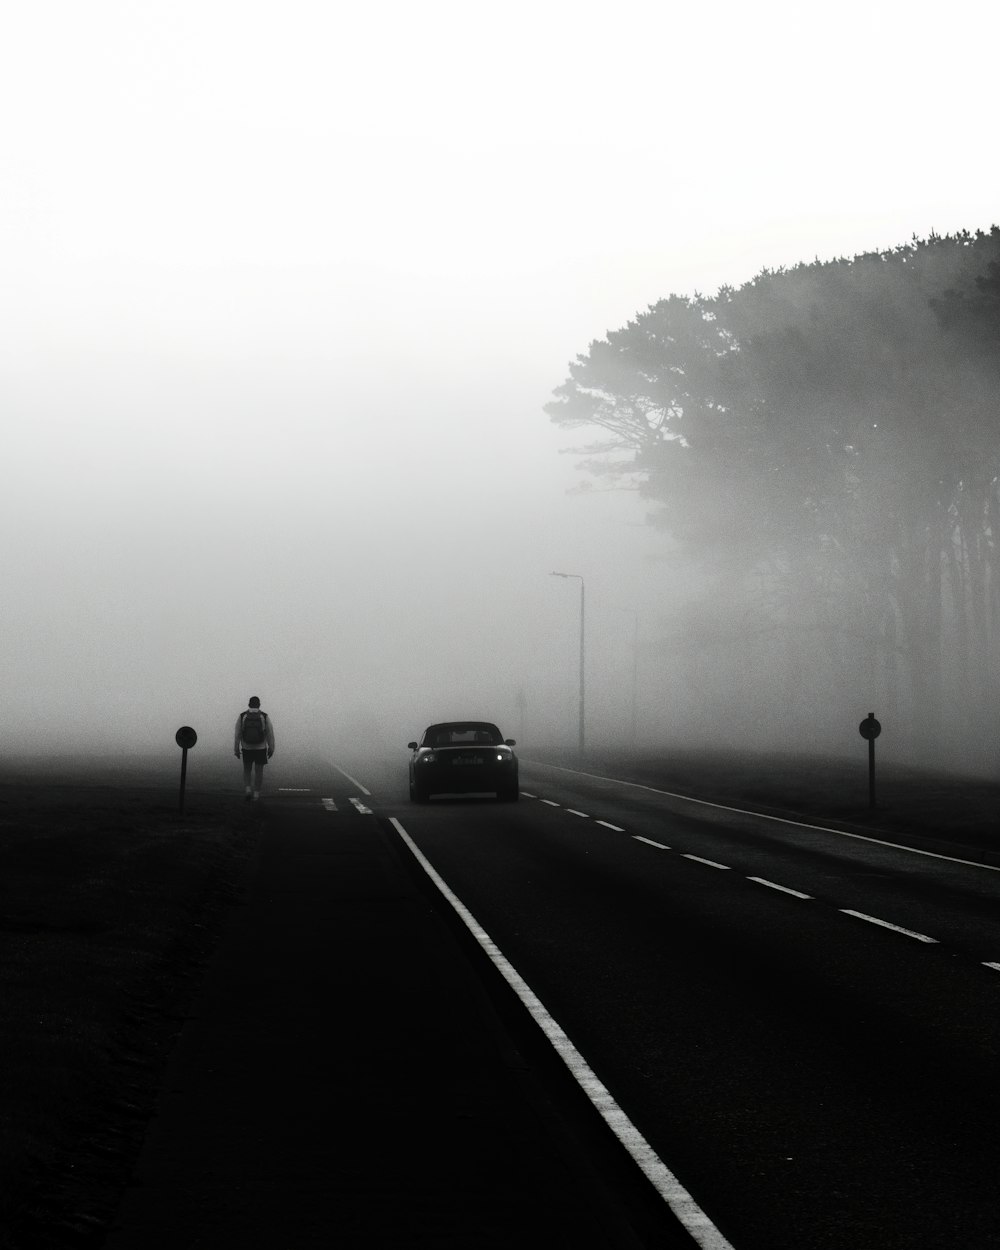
(804, 1025)
(794, 1030)
(353, 1072)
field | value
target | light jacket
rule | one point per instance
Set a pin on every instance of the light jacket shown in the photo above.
(267, 744)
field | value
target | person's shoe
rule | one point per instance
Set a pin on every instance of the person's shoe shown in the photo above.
(246, 794)
(256, 795)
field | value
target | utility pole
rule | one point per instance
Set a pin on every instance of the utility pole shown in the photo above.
(522, 708)
(635, 672)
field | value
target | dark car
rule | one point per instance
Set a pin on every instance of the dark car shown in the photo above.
(463, 757)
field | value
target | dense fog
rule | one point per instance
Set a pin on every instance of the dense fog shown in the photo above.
(357, 595)
(285, 299)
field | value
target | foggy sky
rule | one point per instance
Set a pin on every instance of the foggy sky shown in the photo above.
(285, 290)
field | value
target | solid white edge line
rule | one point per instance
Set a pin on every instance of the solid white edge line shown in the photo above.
(781, 820)
(995, 967)
(670, 1189)
(353, 780)
(920, 937)
(649, 842)
(699, 859)
(783, 888)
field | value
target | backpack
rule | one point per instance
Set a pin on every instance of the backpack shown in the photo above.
(252, 732)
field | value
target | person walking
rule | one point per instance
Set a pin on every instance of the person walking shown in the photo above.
(254, 738)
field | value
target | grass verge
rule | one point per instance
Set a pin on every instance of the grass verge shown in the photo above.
(958, 812)
(111, 903)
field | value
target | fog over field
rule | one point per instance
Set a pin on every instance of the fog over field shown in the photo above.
(287, 287)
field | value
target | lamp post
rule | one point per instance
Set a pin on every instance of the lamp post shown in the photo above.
(578, 577)
(635, 669)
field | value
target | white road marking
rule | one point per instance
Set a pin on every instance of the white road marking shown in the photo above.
(365, 811)
(529, 796)
(329, 804)
(353, 780)
(649, 842)
(920, 937)
(608, 825)
(670, 1189)
(774, 886)
(573, 812)
(550, 803)
(294, 790)
(995, 967)
(781, 820)
(711, 862)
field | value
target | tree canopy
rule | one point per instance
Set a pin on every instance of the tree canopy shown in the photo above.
(831, 431)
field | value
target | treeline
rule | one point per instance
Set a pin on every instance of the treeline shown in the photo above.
(825, 442)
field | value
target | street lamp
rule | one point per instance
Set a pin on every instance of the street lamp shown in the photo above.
(577, 577)
(635, 667)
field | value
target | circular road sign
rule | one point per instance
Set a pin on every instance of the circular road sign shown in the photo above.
(185, 736)
(869, 728)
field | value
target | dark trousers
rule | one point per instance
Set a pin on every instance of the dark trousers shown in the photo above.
(254, 760)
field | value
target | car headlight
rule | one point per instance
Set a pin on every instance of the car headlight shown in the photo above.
(505, 756)
(427, 758)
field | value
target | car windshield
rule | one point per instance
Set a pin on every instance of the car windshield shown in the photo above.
(462, 735)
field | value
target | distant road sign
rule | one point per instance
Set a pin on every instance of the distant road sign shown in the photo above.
(184, 737)
(869, 727)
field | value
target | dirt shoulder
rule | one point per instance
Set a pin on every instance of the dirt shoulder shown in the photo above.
(111, 903)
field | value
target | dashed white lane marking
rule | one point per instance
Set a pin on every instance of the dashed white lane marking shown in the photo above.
(781, 820)
(329, 804)
(353, 780)
(920, 937)
(365, 811)
(670, 1189)
(711, 862)
(573, 812)
(774, 886)
(995, 967)
(527, 795)
(550, 803)
(294, 790)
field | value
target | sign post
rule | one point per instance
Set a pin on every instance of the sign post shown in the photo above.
(870, 729)
(185, 737)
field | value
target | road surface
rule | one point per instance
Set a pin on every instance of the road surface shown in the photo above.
(803, 1024)
(793, 1030)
